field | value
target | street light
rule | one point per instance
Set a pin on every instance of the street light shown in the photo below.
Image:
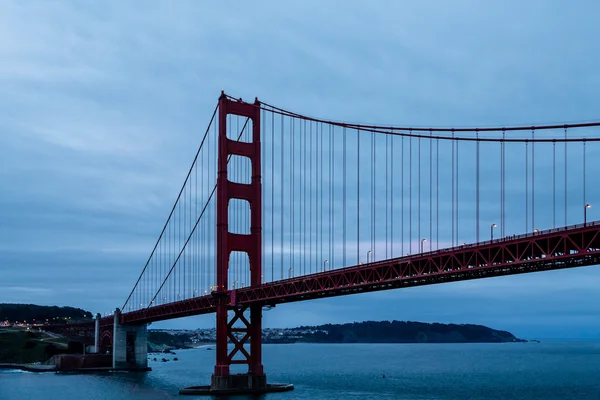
(325, 265)
(291, 272)
(368, 253)
(422, 243)
(585, 213)
(492, 231)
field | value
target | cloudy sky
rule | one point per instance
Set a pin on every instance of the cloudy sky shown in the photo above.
(103, 107)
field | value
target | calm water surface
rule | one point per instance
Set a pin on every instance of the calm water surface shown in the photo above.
(545, 371)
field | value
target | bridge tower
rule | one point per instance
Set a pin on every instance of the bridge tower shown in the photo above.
(227, 243)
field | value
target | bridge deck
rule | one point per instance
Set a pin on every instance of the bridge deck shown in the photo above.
(568, 247)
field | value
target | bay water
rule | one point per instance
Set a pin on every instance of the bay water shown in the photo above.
(546, 371)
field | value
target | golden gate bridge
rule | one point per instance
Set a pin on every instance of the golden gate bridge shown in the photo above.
(279, 207)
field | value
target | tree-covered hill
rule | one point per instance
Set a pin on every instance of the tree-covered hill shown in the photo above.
(32, 313)
(404, 332)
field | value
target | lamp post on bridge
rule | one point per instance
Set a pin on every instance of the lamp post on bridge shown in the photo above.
(588, 205)
(325, 265)
(290, 272)
(422, 243)
(368, 254)
(492, 231)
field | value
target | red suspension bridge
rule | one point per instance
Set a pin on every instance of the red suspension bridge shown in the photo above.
(306, 208)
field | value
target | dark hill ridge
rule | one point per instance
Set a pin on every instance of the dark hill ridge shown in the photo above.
(403, 332)
(31, 312)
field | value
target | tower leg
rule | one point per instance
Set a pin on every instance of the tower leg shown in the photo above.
(255, 367)
(222, 365)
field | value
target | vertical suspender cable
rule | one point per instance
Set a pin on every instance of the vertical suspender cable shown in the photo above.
(186, 259)
(373, 196)
(196, 243)
(344, 197)
(203, 261)
(584, 194)
(430, 191)
(310, 197)
(410, 193)
(393, 155)
(281, 174)
(191, 251)
(457, 192)
(200, 233)
(477, 188)
(503, 184)
(358, 198)
(566, 186)
(304, 179)
(331, 216)
(292, 194)
(453, 189)
(272, 196)
(402, 199)
(526, 187)
(317, 193)
(320, 191)
(179, 236)
(387, 150)
(554, 184)
(419, 194)
(532, 178)
(437, 194)
(204, 265)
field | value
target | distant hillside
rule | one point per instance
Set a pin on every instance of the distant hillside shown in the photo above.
(403, 332)
(20, 346)
(30, 313)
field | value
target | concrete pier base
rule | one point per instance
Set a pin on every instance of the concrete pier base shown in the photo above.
(237, 384)
(130, 345)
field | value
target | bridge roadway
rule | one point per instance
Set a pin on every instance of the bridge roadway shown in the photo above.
(567, 247)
